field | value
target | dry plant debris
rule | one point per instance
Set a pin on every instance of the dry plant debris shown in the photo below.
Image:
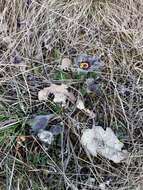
(80, 105)
(103, 185)
(60, 92)
(103, 142)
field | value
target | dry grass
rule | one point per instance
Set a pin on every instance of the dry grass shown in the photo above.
(40, 33)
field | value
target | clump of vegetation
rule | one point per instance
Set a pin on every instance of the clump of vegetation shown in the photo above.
(86, 60)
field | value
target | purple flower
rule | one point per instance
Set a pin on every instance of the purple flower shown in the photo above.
(88, 63)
